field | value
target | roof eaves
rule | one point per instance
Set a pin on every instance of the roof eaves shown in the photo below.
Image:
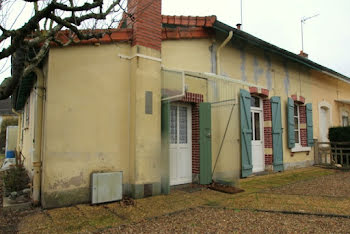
(186, 33)
(277, 50)
(19, 97)
(111, 35)
(189, 21)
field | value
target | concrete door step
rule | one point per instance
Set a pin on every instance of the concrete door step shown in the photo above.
(9, 204)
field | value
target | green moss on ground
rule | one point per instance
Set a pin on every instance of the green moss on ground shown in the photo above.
(261, 192)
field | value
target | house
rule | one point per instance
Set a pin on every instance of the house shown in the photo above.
(5, 114)
(6, 109)
(170, 100)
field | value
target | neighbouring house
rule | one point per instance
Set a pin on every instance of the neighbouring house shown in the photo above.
(5, 114)
(170, 100)
(6, 110)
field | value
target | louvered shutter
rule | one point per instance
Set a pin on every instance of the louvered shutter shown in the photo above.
(277, 134)
(165, 129)
(205, 176)
(290, 123)
(309, 125)
(246, 133)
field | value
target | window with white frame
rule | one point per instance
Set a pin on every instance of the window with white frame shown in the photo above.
(297, 124)
(256, 117)
(345, 119)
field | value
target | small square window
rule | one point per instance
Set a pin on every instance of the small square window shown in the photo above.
(255, 101)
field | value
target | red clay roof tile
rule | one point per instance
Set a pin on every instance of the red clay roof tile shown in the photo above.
(197, 28)
(186, 33)
(194, 21)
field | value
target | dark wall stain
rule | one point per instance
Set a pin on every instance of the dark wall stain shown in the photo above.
(258, 71)
(66, 198)
(243, 62)
(286, 77)
(212, 50)
(75, 181)
(268, 73)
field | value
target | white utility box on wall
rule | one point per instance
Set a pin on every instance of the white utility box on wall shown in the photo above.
(107, 187)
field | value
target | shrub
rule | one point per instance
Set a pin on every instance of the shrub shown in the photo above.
(15, 179)
(339, 151)
(339, 134)
(6, 122)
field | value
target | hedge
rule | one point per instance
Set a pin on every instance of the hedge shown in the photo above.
(6, 122)
(339, 134)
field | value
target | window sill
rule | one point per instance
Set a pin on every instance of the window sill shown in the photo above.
(301, 149)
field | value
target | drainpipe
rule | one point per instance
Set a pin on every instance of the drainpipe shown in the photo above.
(19, 129)
(38, 116)
(218, 52)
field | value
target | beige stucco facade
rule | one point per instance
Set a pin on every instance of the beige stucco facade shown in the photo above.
(82, 130)
(26, 135)
(94, 117)
(254, 67)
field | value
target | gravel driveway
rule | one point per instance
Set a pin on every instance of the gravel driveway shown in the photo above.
(209, 220)
(308, 191)
(336, 185)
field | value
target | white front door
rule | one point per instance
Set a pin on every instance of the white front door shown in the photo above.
(257, 135)
(180, 144)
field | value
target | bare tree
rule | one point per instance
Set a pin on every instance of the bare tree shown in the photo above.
(29, 43)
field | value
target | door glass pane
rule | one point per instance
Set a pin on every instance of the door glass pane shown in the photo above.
(257, 126)
(296, 136)
(252, 124)
(183, 124)
(173, 124)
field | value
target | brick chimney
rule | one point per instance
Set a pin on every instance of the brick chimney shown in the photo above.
(146, 22)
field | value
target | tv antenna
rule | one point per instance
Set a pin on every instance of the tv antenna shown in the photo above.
(302, 21)
(241, 12)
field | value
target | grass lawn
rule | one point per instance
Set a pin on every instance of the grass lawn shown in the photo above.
(310, 190)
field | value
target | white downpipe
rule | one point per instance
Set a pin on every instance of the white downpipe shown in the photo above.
(218, 51)
(38, 116)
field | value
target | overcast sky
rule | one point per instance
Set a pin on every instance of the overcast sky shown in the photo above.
(326, 37)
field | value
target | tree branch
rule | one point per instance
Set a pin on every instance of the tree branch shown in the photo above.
(28, 37)
(19, 35)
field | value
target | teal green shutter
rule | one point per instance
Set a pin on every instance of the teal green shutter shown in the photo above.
(309, 125)
(290, 121)
(165, 130)
(205, 143)
(246, 133)
(277, 134)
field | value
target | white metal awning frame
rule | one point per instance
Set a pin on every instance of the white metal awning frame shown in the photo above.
(343, 101)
